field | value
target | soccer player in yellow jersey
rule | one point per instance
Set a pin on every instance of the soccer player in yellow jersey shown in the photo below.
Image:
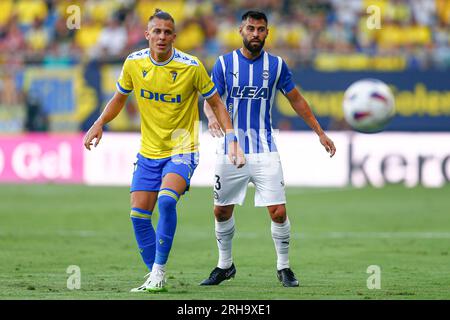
(166, 83)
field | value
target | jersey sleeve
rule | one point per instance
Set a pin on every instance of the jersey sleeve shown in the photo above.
(125, 83)
(218, 78)
(203, 82)
(285, 83)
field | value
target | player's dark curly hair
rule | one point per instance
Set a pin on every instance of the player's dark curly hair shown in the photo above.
(161, 15)
(257, 15)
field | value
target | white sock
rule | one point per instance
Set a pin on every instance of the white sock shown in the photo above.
(224, 237)
(157, 267)
(281, 236)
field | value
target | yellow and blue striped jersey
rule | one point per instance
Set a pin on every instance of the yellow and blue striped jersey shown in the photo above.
(167, 97)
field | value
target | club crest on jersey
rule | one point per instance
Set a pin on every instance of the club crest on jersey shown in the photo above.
(144, 73)
(174, 75)
(250, 92)
(265, 74)
(230, 110)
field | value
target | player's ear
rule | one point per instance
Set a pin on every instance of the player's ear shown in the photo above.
(147, 35)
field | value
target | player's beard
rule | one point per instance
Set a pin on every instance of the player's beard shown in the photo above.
(254, 49)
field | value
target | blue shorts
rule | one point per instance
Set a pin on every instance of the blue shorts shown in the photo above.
(148, 173)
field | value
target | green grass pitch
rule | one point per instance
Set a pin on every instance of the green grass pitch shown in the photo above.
(336, 235)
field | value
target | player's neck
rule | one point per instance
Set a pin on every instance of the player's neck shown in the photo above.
(250, 55)
(161, 57)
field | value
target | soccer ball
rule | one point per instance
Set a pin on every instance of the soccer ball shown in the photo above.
(368, 105)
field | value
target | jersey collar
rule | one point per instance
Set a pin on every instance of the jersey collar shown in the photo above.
(163, 63)
(247, 59)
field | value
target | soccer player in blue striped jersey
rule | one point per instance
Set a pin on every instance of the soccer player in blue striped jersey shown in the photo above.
(166, 83)
(247, 80)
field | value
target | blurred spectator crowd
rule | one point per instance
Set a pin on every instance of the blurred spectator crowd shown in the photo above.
(317, 33)
(322, 34)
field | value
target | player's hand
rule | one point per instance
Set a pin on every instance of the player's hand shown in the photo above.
(236, 154)
(214, 127)
(328, 144)
(95, 132)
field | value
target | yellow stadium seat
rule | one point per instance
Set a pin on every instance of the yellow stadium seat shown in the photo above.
(146, 8)
(229, 36)
(382, 4)
(397, 12)
(28, 10)
(101, 11)
(6, 9)
(419, 35)
(368, 34)
(390, 36)
(86, 37)
(443, 10)
(37, 39)
(189, 37)
(272, 39)
(332, 62)
(294, 35)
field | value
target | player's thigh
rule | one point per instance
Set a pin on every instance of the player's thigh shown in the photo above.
(174, 182)
(230, 183)
(143, 200)
(177, 172)
(267, 176)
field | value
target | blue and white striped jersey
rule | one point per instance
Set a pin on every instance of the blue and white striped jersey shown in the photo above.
(248, 89)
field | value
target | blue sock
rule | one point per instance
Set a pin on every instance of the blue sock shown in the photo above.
(145, 235)
(167, 204)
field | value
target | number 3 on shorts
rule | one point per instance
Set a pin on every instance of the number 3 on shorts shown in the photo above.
(218, 185)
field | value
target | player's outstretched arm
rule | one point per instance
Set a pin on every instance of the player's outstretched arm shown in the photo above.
(111, 111)
(301, 106)
(213, 124)
(235, 152)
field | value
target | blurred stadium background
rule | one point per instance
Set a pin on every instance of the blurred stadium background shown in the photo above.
(55, 80)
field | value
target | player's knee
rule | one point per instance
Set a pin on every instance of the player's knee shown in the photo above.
(222, 213)
(137, 202)
(278, 213)
(166, 204)
(142, 200)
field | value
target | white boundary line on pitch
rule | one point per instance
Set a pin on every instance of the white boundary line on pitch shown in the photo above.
(256, 235)
(373, 235)
(316, 190)
(356, 235)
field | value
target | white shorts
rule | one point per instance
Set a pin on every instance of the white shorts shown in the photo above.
(262, 169)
